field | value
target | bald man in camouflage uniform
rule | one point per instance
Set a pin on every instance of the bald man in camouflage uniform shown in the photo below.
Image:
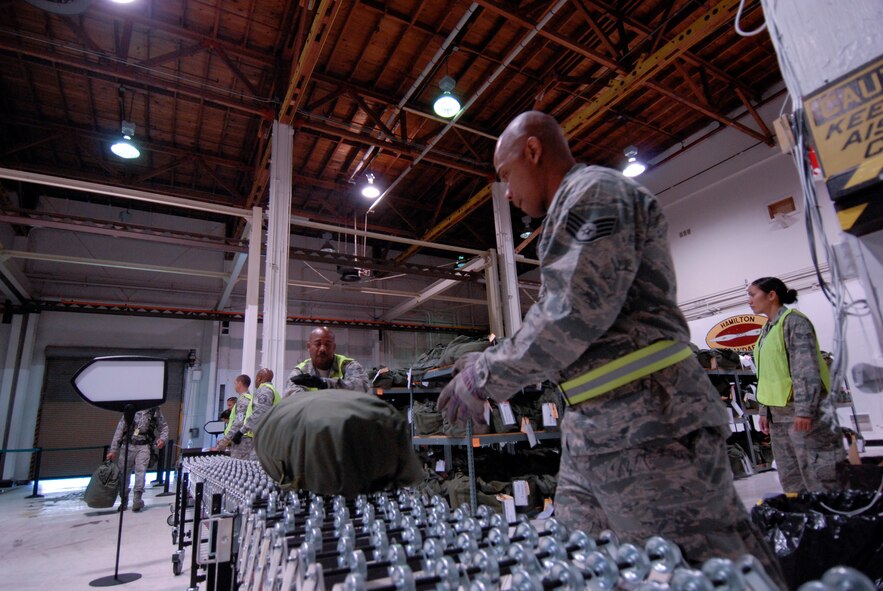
(149, 427)
(648, 457)
(241, 434)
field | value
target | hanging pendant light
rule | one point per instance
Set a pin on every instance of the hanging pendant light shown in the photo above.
(370, 190)
(447, 104)
(633, 167)
(125, 147)
(327, 246)
(526, 232)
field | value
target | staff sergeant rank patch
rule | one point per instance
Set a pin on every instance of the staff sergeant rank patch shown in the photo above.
(586, 231)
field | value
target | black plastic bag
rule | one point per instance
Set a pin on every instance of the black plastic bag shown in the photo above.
(809, 538)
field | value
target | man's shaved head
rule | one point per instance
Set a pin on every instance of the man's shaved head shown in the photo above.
(532, 157)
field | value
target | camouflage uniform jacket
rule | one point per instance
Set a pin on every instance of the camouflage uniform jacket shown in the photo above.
(808, 391)
(148, 427)
(608, 289)
(354, 376)
(261, 403)
(238, 420)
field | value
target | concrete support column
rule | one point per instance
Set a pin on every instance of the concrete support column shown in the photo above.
(278, 239)
(509, 299)
(252, 292)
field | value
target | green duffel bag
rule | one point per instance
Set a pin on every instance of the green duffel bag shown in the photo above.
(104, 486)
(427, 420)
(337, 442)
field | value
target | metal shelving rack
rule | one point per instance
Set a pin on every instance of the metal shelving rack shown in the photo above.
(745, 420)
(470, 441)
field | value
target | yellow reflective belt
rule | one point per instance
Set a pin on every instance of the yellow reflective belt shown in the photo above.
(620, 372)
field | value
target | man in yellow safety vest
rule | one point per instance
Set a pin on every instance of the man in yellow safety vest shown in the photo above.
(325, 368)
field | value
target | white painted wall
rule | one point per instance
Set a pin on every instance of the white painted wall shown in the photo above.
(719, 190)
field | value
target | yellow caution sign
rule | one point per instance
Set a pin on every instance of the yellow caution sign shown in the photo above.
(846, 120)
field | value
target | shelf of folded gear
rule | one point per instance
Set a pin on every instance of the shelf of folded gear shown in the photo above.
(486, 439)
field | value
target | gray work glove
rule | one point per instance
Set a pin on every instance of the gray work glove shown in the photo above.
(310, 381)
(465, 361)
(462, 399)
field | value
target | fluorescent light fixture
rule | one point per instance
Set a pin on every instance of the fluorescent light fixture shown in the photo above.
(125, 148)
(634, 167)
(122, 1)
(447, 104)
(370, 190)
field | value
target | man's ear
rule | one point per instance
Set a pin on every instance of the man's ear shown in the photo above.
(533, 149)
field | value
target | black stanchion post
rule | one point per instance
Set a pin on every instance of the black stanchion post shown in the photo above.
(37, 461)
(170, 461)
(160, 467)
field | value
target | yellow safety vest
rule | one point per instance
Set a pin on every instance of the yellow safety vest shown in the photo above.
(774, 385)
(230, 420)
(248, 412)
(337, 366)
(624, 370)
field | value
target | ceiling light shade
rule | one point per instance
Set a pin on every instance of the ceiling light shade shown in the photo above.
(447, 104)
(327, 246)
(526, 232)
(125, 148)
(633, 167)
(370, 190)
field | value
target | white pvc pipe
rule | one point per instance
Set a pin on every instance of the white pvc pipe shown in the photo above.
(135, 194)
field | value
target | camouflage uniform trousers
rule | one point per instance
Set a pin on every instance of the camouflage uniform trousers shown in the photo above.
(807, 460)
(680, 489)
(139, 458)
(244, 450)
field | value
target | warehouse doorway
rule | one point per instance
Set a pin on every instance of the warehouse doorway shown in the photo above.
(65, 420)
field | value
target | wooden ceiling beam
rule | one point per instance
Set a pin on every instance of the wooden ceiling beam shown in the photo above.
(595, 56)
(756, 116)
(105, 10)
(645, 31)
(135, 79)
(236, 70)
(387, 132)
(124, 40)
(48, 137)
(694, 86)
(76, 26)
(596, 28)
(650, 66)
(708, 112)
(295, 93)
(384, 99)
(218, 179)
(172, 55)
(394, 147)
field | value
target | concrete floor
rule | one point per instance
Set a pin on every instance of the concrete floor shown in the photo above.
(59, 542)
